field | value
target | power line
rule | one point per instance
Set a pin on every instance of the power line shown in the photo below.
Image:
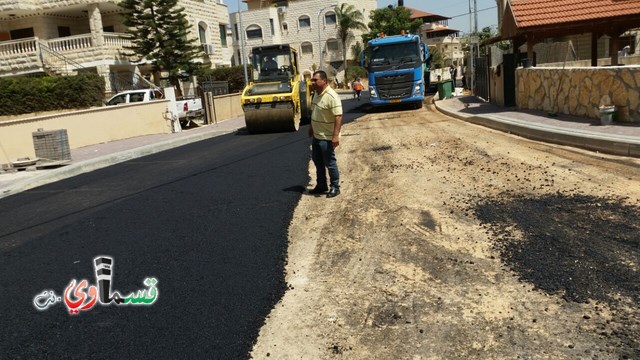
(467, 13)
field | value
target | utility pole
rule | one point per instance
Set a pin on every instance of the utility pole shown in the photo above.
(473, 29)
(244, 58)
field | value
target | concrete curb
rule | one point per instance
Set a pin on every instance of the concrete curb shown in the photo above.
(106, 160)
(609, 144)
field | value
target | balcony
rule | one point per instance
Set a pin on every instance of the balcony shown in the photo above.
(34, 5)
(59, 55)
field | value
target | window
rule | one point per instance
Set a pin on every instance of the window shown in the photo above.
(306, 48)
(285, 27)
(21, 33)
(120, 99)
(136, 97)
(254, 32)
(235, 26)
(273, 30)
(202, 33)
(330, 19)
(304, 21)
(223, 35)
(332, 45)
(64, 31)
(109, 28)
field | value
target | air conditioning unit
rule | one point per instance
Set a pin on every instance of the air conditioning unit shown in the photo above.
(208, 49)
(282, 10)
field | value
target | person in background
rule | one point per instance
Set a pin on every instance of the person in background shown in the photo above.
(454, 74)
(270, 64)
(326, 122)
(356, 85)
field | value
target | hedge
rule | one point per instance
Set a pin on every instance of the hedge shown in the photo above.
(23, 95)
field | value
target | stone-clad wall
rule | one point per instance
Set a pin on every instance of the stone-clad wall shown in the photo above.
(213, 14)
(580, 91)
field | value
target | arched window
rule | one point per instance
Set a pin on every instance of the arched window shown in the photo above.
(330, 18)
(202, 32)
(254, 32)
(285, 26)
(304, 22)
(306, 48)
(332, 45)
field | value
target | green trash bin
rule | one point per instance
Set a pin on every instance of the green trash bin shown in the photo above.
(445, 89)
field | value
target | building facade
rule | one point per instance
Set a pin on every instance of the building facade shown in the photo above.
(62, 37)
(309, 26)
(436, 33)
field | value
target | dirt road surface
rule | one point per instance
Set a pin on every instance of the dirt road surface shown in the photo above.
(453, 241)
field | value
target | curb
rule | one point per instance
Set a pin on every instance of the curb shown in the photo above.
(610, 144)
(106, 160)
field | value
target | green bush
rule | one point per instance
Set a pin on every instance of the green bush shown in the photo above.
(23, 95)
(354, 72)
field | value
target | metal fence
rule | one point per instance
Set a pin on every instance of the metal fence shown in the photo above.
(482, 78)
(214, 87)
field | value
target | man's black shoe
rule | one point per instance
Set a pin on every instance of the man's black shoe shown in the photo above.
(318, 190)
(333, 193)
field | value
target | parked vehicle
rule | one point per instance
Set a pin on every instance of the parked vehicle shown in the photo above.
(185, 107)
(396, 66)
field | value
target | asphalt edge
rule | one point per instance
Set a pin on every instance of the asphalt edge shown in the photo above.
(86, 166)
(610, 144)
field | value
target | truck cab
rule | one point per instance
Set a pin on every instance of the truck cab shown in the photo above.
(396, 67)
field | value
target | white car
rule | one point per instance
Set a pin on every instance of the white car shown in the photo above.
(184, 107)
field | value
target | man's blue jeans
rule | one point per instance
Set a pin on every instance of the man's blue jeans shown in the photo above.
(324, 158)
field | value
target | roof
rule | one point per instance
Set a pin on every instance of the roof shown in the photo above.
(419, 14)
(564, 17)
(530, 13)
(393, 39)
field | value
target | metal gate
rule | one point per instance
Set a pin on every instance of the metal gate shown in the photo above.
(509, 62)
(482, 78)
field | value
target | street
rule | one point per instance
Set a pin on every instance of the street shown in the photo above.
(449, 240)
(454, 241)
(208, 220)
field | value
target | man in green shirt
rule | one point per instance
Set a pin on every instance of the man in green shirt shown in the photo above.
(326, 121)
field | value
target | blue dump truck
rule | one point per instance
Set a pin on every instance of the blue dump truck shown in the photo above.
(396, 66)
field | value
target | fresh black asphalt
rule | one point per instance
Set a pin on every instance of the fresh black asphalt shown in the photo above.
(208, 220)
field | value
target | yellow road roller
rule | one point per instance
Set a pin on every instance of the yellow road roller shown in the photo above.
(276, 99)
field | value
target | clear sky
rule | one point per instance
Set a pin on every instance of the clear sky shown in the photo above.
(456, 9)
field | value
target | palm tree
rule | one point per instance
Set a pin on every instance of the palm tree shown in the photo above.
(348, 19)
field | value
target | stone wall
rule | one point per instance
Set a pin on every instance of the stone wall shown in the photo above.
(580, 91)
(85, 127)
(98, 125)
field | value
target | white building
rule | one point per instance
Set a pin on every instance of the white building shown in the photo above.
(435, 32)
(60, 37)
(309, 26)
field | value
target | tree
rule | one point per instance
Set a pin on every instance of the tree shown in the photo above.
(391, 20)
(437, 58)
(348, 19)
(356, 49)
(158, 30)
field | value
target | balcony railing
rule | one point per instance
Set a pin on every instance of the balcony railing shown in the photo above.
(13, 47)
(114, 40)
(70, 43)
(59, 52)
